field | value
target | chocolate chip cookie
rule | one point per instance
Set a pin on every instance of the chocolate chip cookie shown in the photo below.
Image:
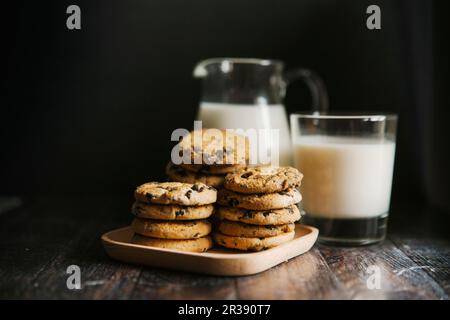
(171, 212)
(192, 245)
(171, 229)
(253, 244)
(214, 146)
(216, 169)
(238, 229)
(265, 201)
(180, 174)
(179, 193)
(263, 179)
(264, 217)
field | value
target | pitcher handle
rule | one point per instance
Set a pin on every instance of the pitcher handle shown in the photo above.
(315, 84)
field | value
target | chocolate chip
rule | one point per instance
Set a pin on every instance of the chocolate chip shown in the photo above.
(197, 188)
(232, 202)
(149, 196)
(188, 194)
(248, 214)
(179, 213)
(266, 213)
(246, 175)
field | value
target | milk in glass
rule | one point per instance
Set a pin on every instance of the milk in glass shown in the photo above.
(345, 177)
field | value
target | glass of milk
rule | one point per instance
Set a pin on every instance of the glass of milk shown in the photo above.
(347, 162)
(247, 93)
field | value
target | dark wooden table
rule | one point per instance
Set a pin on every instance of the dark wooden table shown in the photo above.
(40, 238)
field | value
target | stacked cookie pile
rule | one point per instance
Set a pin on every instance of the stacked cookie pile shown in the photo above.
(258, 208)
(208, 155)
(173, 215)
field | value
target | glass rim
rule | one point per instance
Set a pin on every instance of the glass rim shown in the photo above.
(200, 69)
(369, 116)
(258, 61)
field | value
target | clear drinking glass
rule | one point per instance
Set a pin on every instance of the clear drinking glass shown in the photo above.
(248, 93)
(347, 162)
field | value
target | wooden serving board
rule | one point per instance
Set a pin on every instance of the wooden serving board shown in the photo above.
(216, 261)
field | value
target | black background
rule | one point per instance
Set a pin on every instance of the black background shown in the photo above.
(91, 111)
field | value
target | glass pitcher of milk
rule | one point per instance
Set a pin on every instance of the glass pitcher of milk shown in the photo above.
(245, 93)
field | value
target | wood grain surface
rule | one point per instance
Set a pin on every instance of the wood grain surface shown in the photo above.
(40, 238)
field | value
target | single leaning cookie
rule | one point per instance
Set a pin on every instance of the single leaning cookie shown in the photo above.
(171, 212)
(263, 179)
(215, 169)
(178, 173)
(214, 146)
(171, 229)
(238, 229)
(191, 245)
(186, 194)
(264, 217)
(266, 201)
(254, 244)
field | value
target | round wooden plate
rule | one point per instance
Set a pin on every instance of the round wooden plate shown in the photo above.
(217, 261)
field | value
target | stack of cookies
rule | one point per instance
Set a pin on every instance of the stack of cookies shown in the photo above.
(258, 208)
(173, 215)
(207, 156)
